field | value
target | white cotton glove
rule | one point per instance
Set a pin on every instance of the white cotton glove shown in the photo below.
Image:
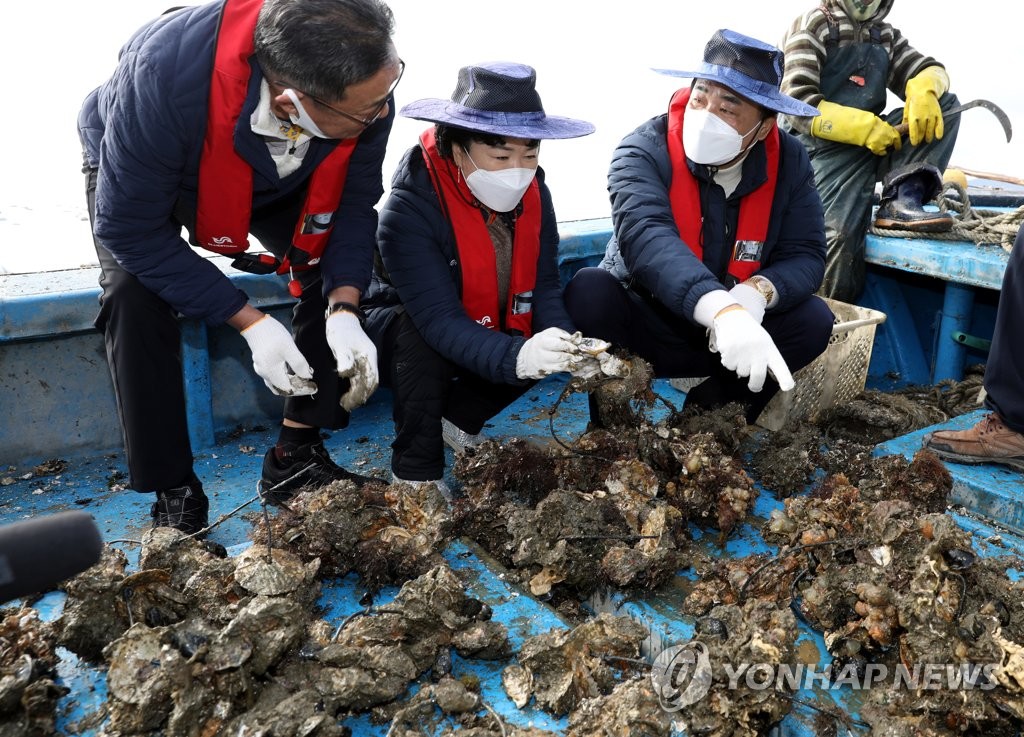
(751, 300)
(747, 349)
(547, 352)
(356, 356)
(277, 359)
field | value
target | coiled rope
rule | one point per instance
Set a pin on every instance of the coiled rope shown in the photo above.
(981, 227)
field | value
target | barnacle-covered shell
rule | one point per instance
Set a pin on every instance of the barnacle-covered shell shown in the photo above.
(272, 572)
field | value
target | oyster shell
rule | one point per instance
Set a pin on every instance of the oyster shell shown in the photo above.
(273, 572)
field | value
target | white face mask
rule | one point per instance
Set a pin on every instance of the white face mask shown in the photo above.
(860, 10)
(301, 117)
(709, 140)
(500, 190)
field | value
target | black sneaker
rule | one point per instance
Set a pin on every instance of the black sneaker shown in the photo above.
(184, 508)
(308, 467)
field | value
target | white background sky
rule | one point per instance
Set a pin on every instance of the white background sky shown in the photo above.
(593, 62)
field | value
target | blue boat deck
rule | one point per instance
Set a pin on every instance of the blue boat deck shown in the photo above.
(56, 398)
(231, 467)
(985, 492)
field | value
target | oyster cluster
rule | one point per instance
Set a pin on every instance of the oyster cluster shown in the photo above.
(890, 580)
(561, 669)
(613, 508)
(385, 534)
(28, 674)
(195, 641)
(758, 634)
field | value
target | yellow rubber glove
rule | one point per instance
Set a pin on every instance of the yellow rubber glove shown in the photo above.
(844, 124)
(922, 112)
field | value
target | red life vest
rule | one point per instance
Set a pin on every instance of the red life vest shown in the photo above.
(755, 208)
(225, 178)
(476, 251)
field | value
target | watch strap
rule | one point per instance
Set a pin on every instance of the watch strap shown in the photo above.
(764, 286)
(347, 307)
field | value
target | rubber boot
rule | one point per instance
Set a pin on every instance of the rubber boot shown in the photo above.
(905, 192)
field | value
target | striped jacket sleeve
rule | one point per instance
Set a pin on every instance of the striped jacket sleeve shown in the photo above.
(806, 55)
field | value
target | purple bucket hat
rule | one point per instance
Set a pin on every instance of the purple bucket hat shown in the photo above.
(748, 67)
(498, 98)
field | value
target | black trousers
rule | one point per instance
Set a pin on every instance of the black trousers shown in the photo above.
(143, 343)
(427, 387)
(600, 307)
(1004, 371)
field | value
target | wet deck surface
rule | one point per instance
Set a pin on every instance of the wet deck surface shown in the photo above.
(986, 490)
(231, 469)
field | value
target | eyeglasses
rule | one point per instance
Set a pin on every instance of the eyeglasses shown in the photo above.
(364, 122)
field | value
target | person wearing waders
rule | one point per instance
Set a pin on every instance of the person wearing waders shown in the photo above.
(842, 57)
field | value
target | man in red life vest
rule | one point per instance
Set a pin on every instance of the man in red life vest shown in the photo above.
(718, 242)
(238, 117)
(467, 308)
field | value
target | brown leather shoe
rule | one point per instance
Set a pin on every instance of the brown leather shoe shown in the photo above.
(989, 441)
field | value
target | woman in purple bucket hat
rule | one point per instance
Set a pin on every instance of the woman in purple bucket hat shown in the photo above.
(466, 304)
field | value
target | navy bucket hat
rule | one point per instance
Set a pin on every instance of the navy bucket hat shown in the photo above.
(748, 67)
(499, 98)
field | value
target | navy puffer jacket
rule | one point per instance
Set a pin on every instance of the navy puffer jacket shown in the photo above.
(647, 250)
(144, 129)
(421, 274)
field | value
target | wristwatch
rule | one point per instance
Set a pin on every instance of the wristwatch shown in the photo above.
(763, 286)
(347, 307)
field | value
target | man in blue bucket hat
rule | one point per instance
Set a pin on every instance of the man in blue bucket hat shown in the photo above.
(718, 242)
(466, 306)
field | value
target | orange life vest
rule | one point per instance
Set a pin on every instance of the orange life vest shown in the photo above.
(476, 251)
(684, 196)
